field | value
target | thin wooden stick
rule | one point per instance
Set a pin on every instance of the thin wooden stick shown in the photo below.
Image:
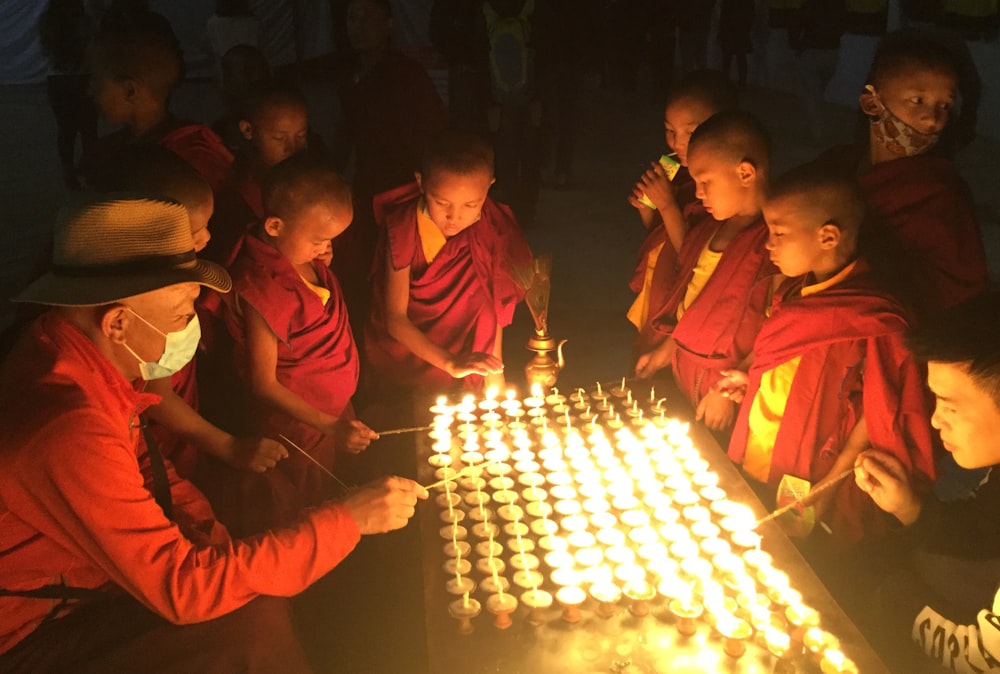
(311, 458)
(398, 431)
(797, 502)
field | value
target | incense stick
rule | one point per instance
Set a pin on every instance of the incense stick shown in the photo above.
(458, 474)
(797, 502)
(320, 465)
(412, 429)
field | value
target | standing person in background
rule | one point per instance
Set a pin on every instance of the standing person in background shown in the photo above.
(65, 33)
(391, 109)
(662, 45)
(814, 32)
(736, 21)
(561, 47)
(232, 24)
(452, 29)
(694, 20)
(515, 107)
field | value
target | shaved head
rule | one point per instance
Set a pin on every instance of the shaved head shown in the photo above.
(732, 137)
(823, 197)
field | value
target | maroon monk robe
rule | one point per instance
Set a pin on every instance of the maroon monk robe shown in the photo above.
(317, 360)
(665, 270)
(200, 147)
(853, 362)
(457, 301)
(718, 330)
(926, 214)
(195, 143)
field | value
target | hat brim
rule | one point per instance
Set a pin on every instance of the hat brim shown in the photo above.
(81, 291)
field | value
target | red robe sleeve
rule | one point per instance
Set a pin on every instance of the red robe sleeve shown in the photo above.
(199, 146)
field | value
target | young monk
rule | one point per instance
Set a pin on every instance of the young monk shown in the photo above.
(716, 306)
(135, 68)
(442, 276)
(699, 96)
(293, 344)
(830, 374)
(927, 214)
(274, 124)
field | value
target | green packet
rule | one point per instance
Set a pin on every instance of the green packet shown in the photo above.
(671, 166)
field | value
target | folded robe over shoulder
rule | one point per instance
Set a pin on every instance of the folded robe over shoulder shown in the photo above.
(718, 329)
(926, 215)
(458, 300)
(853, 362)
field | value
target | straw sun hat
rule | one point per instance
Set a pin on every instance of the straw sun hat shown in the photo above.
(118, 246)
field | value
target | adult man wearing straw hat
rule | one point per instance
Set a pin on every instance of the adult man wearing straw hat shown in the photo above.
(110, 562)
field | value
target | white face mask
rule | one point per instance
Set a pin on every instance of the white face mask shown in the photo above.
(178, 351)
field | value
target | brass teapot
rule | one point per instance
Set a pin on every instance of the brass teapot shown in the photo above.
(542, 369)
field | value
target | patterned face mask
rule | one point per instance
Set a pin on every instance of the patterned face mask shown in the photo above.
(896, 135)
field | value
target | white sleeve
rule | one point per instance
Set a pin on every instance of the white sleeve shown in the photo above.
(967, 649)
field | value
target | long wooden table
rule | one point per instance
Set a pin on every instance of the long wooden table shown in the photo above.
(622, 643)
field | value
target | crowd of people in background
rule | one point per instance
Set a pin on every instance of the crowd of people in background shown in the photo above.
(253, 290)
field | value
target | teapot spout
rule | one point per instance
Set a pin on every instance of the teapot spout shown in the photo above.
(559, 354)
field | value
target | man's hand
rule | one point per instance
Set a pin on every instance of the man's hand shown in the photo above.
(883, 477)
(465, 364)
(256, 454)
(384, 505)
(655, 184)
(716, 411)
(351, 435)
(653, 361)
(733, 385)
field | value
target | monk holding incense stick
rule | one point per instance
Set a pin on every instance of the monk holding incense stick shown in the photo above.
(830, 375)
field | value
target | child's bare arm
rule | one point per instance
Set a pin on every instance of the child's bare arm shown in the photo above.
(857, 441)
(262, 353)
(658, 189)
(245, 453)
(402, 329)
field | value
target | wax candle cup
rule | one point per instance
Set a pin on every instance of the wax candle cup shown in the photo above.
(526, 561)
(735, 633)
(640, 593)
(686, 612)
(501, 606)
(777, 641)
(835, 662)
(459, 567)
(464, 610)
(607, 595)
(455, 533)
(460, 585)
(528, 579)
(495, 584)
(490, 565)
(570, 598)
(537, 600)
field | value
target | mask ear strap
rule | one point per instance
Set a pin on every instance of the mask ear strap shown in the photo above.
(131, 311)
